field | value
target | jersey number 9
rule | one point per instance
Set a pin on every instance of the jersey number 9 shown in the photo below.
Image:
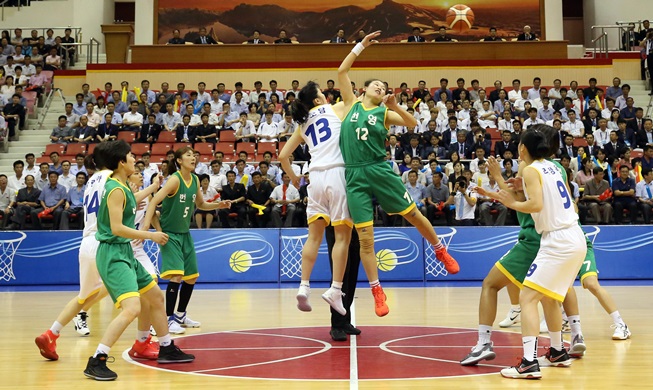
(565, 195)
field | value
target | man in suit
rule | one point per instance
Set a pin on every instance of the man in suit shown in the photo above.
(527, 35)
(442, 36)
(614, 148)
(301, 153)
(206, 132)
(340, 37)
(493, 36)
(506, 143)
(417, 35)
(414, 148)
(256, 38)
(236, 193)
(637, 124)
(185, 132)
(282, 38)
(592, 121)
(591, 149)
(150, 130)
(462, 146)
(568, 149)
(645, 136)
(396, 151)
(627, 135)
(204, 39)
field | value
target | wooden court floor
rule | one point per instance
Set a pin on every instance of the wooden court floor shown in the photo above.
(259, 333)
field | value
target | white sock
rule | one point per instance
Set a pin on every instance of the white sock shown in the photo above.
(484, 336)
(164, 341)
(142, 335)
(180, 314)
(516, 308)
(530, 347)
(102, 349)
(305, 283)
(556, 340)
(337, 285)
(616, 318)
(375, 283)
(438, 246)
(574, 322)
(56, 328)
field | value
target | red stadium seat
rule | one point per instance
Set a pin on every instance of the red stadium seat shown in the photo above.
(179, 145)
(90, 148)
(128, 136)
(157, 158)
(49, 148)
(267, 147)
(248, 147)
(43, 159)
(166, 137)
(227, 136)
(226, 148)
(75, 149)
(281, 145)
(582, 142)
(139, 149)
(160, 148)
(204, 148)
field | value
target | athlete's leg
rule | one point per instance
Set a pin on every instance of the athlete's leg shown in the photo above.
(424, 227)
(605, 299)
(570, 306)
(131, 308)
(311, 247)
(492, 284)
(530, 319)
(340, 251)
(95, 298)
(368, 258)
(513, 294)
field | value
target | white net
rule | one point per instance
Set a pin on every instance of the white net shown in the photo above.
(152, 250)
(433, 266)
(291, 255)
(8, 250)
(592, 234)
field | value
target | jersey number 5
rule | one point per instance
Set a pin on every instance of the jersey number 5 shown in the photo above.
(323, 130)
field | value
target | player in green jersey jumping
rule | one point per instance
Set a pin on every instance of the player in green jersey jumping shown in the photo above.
(124, 277)
(179, 196)
(362, 141)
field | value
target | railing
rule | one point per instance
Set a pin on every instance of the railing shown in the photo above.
(2, 4)
(622, 30)
(47, 104)
(89, 52)
(602, 42)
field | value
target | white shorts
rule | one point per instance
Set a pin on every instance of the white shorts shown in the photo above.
(144, 259)
(327, 197)
(89, 278)
(557, 262)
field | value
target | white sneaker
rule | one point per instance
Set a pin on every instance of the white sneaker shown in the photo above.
(578, 346)
(185, 322)
(621, 332)
(543, 327)
(80, 324)
(513, 317)
(333, 296)
(174, 327)
(302, 298)
(485, 353)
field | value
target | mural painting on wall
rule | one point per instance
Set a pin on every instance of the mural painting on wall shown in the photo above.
(234, 21)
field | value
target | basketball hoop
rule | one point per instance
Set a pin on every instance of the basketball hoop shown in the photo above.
(8, 248)
(291, 255)
(592, 235)
(433, 266)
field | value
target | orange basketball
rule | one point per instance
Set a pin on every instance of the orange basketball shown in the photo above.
(460, 18)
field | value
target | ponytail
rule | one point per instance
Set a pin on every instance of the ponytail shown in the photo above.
(304, 102)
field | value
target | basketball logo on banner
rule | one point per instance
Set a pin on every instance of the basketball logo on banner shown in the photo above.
(252, 249)
(398, 249)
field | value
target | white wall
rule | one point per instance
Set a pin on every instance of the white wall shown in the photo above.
(144, 24)
(87, 14)
(553, 20)
(607, 12)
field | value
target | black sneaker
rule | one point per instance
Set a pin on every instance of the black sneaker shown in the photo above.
(338, 334)
(555, 358)
(525, 370)
(172, 354)
(351, 329)
(485, 353)
(98, 370)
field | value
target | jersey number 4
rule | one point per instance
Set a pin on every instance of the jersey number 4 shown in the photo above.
(92, 203)
(323, 130)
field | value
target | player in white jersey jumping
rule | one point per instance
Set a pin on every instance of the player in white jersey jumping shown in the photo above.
(91, 288)
(562, 251)
(327, 196)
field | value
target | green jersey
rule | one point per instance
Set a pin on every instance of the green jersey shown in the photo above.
(525, 220)
(362, 135)
(104, 233)
(177, 209)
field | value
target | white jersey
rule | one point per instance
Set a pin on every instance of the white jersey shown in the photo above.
(321, 132)
(138, 220)
(92, 197)
(558, 210)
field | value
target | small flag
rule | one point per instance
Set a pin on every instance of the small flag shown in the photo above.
(123, 98)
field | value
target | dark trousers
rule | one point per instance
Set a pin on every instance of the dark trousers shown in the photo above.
(350, 279)
(619, 207)
(36, 222)
(431, 212)
(259, 221)
(646, 212)
(649, 61)
(20, 215)
(240, 218)
(464, 222)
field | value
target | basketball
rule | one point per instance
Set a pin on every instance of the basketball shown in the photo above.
(240, 261)
(386, 260)
(460, 18)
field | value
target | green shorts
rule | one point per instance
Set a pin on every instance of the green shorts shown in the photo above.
(178, 257)
(376, 180)
(589, 265)
(123, 276)
(515, 264)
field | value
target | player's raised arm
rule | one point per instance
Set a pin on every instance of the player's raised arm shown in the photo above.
(284, 155)
(398, 116)
(347, 93)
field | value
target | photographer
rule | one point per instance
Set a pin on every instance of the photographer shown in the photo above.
(465, 201)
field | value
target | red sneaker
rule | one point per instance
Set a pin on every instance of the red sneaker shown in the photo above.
(380, 306)
(449, 262)
(144, 350)
(47, 343)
